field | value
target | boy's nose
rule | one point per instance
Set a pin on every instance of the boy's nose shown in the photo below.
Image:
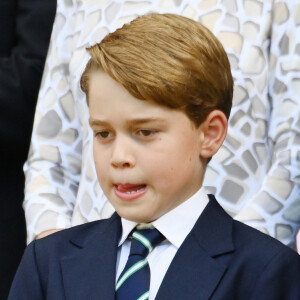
(122, 156)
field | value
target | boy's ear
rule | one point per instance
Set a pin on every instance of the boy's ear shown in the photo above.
(213, 133)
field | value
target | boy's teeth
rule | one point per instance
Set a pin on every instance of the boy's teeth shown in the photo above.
(130, 188)
(130, 192)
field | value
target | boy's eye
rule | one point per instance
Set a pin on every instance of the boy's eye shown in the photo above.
(146, 132)
(103, 134)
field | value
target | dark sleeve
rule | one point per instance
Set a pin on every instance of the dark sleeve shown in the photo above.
(27, 284)
(21, 70)
(280, 279)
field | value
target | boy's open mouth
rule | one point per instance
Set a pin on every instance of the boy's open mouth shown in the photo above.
(130, 191)
(130, 188)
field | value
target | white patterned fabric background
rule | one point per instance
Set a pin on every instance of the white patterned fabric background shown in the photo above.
(255, 175)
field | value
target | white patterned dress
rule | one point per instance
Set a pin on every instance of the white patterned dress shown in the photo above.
(255, 175)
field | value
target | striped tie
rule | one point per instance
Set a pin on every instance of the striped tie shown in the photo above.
(134, 281)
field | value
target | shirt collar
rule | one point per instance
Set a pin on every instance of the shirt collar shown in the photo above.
(176, 224)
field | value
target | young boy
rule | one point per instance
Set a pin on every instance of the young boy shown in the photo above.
(159, 91)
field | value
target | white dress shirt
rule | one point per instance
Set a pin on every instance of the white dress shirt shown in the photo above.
(175, 226)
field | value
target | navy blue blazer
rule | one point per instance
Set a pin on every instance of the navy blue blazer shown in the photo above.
(220, 259)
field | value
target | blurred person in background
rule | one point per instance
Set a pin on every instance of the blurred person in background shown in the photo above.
(25, 29)
(257, 168)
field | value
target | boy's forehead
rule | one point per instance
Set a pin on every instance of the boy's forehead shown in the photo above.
(100, 79)
(103, 90)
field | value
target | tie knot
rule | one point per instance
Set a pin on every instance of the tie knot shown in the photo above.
(144, 240)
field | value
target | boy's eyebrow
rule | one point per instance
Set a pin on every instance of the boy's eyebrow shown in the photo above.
(94, 122)
(137, 121)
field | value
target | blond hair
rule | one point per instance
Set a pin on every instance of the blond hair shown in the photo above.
(168, 59)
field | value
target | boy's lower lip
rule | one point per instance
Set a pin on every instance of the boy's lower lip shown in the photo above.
(129, 192)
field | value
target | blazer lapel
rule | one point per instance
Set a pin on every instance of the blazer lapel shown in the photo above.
(89, 273)
(195, 272)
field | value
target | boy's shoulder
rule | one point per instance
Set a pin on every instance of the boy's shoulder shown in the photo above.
(253, 238)
(245, 243)
(68, 256)
(259, 250)
(61, 242)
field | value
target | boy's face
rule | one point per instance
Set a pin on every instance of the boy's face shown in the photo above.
(146, 155)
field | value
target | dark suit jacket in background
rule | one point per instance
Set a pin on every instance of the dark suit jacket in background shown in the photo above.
(25, 28)
(220, 259)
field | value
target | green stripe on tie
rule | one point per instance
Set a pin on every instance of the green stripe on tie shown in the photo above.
(140, 264)
(144, 296)
(143, 240)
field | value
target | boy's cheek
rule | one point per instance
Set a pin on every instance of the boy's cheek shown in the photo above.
(100, 160)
